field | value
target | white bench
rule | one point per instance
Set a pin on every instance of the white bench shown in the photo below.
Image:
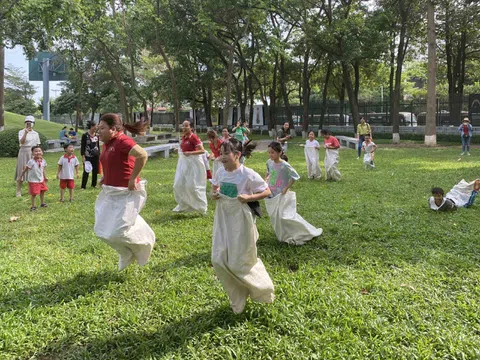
(347, 141)
(57, 144)
(162, 150)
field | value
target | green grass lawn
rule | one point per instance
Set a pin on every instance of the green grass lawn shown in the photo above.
(47, 128)
(388, 279)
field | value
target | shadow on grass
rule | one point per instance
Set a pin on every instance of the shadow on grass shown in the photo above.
(59, 292)
(192, 260)
(145, 344)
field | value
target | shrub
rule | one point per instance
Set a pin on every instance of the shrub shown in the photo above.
(9, 145)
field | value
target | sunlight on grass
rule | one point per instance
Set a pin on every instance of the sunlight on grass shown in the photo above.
(387, 279)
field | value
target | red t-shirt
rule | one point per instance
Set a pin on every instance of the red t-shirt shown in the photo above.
(190, 143)
(216, 151)
(117, 164)
(332, 141)
(465, 130)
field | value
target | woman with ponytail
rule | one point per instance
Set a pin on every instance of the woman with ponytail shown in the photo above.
(123, 194)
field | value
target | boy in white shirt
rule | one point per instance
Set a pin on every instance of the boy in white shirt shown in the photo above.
(36, 176)
(66, 165)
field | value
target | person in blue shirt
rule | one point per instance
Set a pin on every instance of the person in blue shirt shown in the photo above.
(64, 136)
(72, 134)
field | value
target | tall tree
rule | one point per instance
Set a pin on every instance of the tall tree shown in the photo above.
(430, 128)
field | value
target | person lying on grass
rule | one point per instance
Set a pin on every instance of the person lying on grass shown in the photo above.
(462, 195)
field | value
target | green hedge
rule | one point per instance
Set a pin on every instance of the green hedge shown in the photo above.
(9, 145)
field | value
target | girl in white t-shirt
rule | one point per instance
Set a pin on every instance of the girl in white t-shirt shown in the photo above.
(234, 250)
(369, 147)
(312, 148)
(36, 176)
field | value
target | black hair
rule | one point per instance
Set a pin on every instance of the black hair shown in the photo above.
(437, 190)
(64, 127)
(325, 132)
(190, 122)
(71, 128)
(36, 147)
(66, 146)
(368, 135)
(277, 147)
(234, 145)
(90, 124)
(311, 131)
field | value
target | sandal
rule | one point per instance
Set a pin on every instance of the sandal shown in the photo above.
(43, 205)
(33, 208)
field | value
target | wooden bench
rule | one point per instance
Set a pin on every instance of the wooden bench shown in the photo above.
(161, 150)
(347, 141)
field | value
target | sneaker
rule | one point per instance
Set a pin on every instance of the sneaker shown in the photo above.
(33, 208)
(43, 205)
(463, 153)
(468, 153)
(358, 157)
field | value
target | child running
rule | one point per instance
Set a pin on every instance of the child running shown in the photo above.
(234, 250)
(331, 145)
(369, 148)
(311, 156)
(67, 164)
(289, 227)
(215, 144)
(36, 177)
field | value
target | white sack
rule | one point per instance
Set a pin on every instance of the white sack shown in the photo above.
(118, 223)
(367, 158)
(331, 162)
(234, 255)
(189, 186)
(289, 226)
(461, 192)
(313, 167)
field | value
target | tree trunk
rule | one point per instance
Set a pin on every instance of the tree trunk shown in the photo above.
(2, 86)
(78, 117)
(351, 94)
(325, 95)
(229, 86)
(342, 105)
(207, 106)
(273, 97)
(306, 89)
(430, 126)
(251, 95)
(283, 87)
(171, 75)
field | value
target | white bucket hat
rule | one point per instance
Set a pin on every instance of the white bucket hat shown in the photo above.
(88, 167)
(30, 118)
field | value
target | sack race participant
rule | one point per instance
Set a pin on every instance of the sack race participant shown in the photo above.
(311, 156)
(190, 184)
(362, 130)
(27, 138)
(123, 195)
(289, 227)
(462, 194)
(241, 132)
(331, 145)
(215, 144)
(369, 147)
(234, 250)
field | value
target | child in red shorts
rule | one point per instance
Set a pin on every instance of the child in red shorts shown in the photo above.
(36, 176)
(66, 166)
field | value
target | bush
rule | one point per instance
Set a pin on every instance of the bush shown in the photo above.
(9, 145)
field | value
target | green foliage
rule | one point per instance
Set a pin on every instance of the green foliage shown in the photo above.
(18, 92)
(387, 279)
(9, 145)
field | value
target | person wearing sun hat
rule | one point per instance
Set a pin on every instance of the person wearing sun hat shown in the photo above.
(465, 130)
(27, 138)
